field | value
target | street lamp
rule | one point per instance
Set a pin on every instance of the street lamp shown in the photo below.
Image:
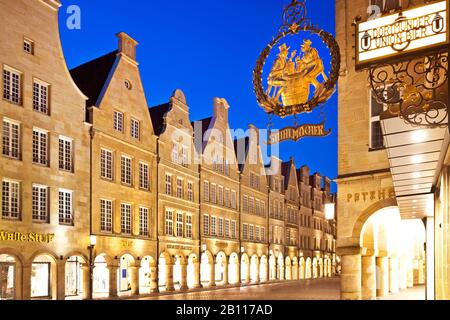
(92, 243)
(330, 211)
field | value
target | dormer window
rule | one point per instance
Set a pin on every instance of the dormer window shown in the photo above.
(28, 46)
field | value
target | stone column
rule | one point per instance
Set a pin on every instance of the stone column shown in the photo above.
(393, 276)
(183, 282)
(113, 280)
(197, 275)
(368, 278)
(26, 282)
(225, 274)
(61, 280)
(351, 275)
(247, 278)
(86, 271)
(134, 280)
(169, 278)
(256, 280)
(154, 280)
(382, 276)
(421, 273)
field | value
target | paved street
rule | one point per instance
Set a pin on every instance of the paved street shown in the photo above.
(321, 289)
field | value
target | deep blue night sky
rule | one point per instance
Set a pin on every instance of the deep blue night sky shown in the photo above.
(208, 49)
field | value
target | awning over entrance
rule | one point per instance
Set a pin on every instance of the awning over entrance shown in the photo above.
(415, 158)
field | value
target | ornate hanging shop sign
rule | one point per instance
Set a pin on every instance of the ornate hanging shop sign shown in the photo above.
(298, 80)
(407, 33)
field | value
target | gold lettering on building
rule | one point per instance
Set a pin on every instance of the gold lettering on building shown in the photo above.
(31, 237)
(365, 196)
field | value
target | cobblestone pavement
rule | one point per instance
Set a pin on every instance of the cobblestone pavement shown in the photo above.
(320, 289)
(417, 293)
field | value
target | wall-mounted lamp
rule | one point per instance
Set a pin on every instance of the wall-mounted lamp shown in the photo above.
(330, 211)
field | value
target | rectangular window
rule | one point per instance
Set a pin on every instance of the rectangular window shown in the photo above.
(263, 208)
(143, 221)
(263, 234)
(125, 169)
(188, 234)
(233, 229)
(206, 191)
(220, 227)
(184, 156)
(40, 203)
(40, 147)
(245, 231)
(227, 198)
(10, 200)
(11, 139)
(135, 129)
(227, 228)
(213, 193)
(144, 176)
(28, 46)
(221, 195)
(179, 225)
(213, 226)
(106, 164)
(190, 191)
(65, 154)
(168, 184)
(125, 218)
(257, 233)
(175, 153)
(12, 90)
(257, 207)
(251, 205)
(245, 204)
(233, 200)
(180, 185)
(169, 223)
(118, 121)
(65, 207)
(106, 214)
(252, 232)
(40, 97)
(205, 224)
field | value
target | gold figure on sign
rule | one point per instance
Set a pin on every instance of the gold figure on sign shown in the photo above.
(291, 78)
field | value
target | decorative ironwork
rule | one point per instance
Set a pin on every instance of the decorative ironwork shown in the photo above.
(415, 90)
(292, 76)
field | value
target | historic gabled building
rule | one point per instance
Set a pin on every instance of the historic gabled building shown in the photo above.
(44, 162)
(254, 218)
(276, 218)
(123, 171)
(291, 218)
(219, 198)
(178, 196)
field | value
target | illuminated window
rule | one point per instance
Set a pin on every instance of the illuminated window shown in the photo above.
(125, 218)
(65, 154)
(213, 226)
(245, 231)
(233, 200)
(118, 121)
(179, 233)
(376, 109)
(190, 191)
(251, 205)
(169, 223)
(135, 129)
(125, 169)
(206, 191)
(188, 226)
(180, 183)
(233, 229)
(168, 184)
(220, 195)
(143, 221)
(257, 207)
(206, 224)
(40, 147)
(144, 176)
(10, 199)
(184, 156)
(40, 97)
(227, 228)
(213, 193)
(40, 203)
(65, 207)
(220, 227)
(257, 233)
(106, 164)
(12, 90)
(227, 198)
(252, 232)
(11, 139)
(106, 213)
(175, 153)
(263, 234)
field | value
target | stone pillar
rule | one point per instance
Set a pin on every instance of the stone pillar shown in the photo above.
(154, 280)
(134, 280)
(256, 280)
(225, 274)
(113, 281)
(197, 275)
(368, 278)
(26, 282)
(393, 275)
(60, 280)
(212, 271)
(183, 282)
(247, 278)
(169, 278)
(421, 273)
(86, 271)
(351, 275)
(382, 276)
